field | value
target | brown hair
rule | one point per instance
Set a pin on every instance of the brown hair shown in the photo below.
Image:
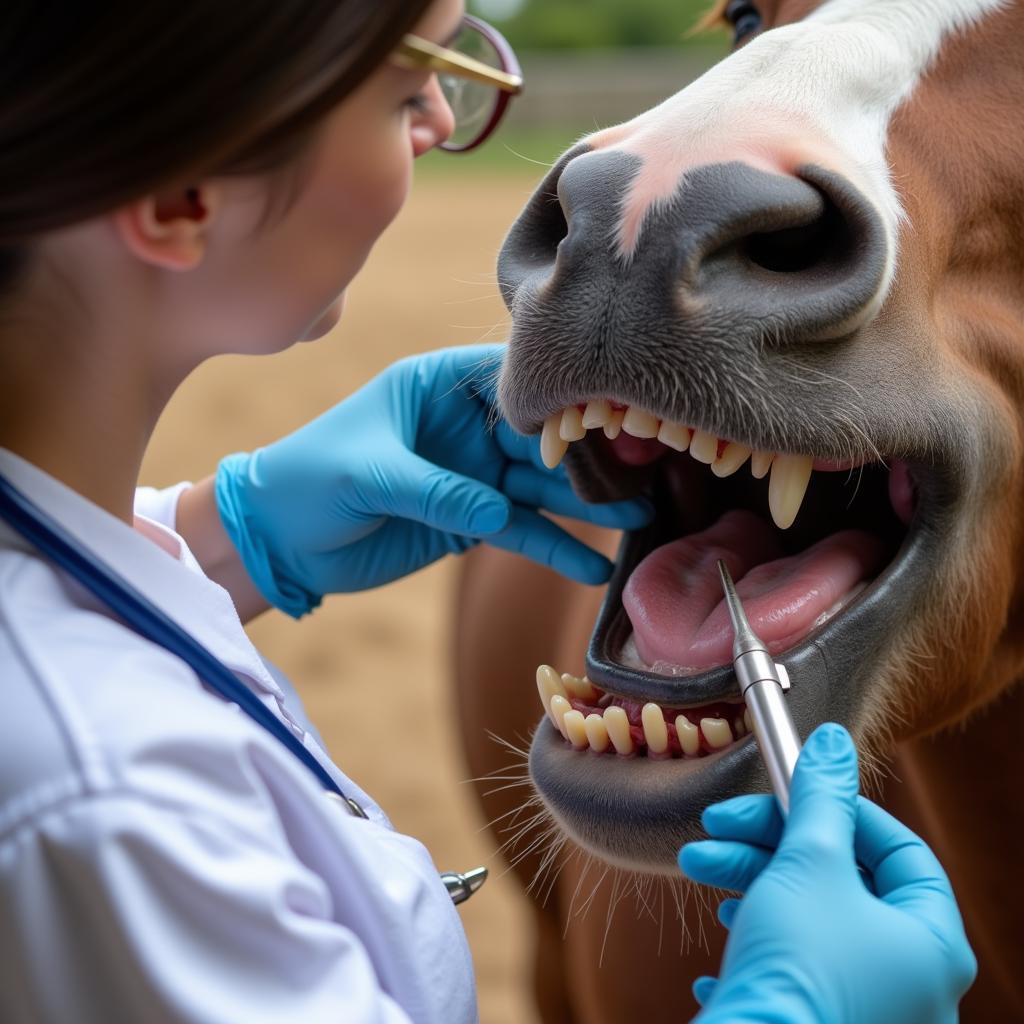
(103, 102)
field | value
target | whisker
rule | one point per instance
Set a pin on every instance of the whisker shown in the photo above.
(612, 904)
(572, 900)
(529, 159)
(511, 785)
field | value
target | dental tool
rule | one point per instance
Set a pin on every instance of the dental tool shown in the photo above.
(461, 886)
(762, 684)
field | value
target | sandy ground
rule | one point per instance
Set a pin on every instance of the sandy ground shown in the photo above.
(373, 668)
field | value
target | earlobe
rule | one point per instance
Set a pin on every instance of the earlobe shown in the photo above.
(168, 230)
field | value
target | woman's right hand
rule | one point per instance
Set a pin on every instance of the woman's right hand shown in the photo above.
(809, 941)
(417, 464)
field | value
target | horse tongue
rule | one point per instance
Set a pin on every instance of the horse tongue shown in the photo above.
(674, 596)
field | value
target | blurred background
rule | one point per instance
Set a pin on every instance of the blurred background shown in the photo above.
(374, 668)
(588, 64)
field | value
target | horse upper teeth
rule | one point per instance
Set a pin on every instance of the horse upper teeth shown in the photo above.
(716, 732)
(571, 426)
(638, 423)
(674, 435)
(790, 474)
(655, 729)
(760, 463)
(730, 460)
(597, 414)
(552, 446)
(704, 447)
(613, 427)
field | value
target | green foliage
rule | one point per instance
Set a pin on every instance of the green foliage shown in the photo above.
(581, 24)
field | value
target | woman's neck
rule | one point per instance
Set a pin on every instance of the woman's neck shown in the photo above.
(81, 409)
(84, 414)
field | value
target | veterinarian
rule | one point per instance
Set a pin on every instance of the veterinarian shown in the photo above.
(182, 181)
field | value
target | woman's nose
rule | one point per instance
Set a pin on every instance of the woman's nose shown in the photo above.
(436, 123)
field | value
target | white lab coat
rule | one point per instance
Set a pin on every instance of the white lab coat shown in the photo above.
(162, 858)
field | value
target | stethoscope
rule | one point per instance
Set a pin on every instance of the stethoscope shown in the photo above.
(137, 612)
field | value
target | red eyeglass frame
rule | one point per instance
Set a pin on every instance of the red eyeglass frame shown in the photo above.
(414, 52)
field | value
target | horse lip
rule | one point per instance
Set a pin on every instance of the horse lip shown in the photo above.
(602, 809)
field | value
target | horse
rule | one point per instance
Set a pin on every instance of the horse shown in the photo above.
(786, 304)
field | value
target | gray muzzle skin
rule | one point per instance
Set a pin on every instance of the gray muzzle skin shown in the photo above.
(739, 265)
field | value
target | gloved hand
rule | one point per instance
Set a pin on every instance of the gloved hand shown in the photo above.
(413, 466)
(809, 942)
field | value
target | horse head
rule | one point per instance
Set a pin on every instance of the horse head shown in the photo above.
(787, 304)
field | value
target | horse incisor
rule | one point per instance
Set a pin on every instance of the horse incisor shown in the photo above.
(813, 256)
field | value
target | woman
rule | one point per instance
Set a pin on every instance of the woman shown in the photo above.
(181, 182)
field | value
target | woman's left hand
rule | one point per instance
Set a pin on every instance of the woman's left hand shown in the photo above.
(413, 466)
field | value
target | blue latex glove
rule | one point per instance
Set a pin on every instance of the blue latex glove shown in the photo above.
(809, 942)
(413, 466)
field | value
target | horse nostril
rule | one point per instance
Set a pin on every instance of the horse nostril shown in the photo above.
(793, 257)
(800, 248)
(564, 240)
(534, 240)
(551, 228)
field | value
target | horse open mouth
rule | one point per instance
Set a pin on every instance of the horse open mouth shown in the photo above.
(808, 541)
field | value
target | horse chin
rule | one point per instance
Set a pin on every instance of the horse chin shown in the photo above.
(633, 809)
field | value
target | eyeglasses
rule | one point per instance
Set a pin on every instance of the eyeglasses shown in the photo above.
(478, 74)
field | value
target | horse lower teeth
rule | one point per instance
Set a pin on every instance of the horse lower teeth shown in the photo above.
(574, 706)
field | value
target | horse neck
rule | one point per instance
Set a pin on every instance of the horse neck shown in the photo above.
(965, 788)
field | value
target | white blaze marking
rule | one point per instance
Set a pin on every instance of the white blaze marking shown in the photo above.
(820, 91)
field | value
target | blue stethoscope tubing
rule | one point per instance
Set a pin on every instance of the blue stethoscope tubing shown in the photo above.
(142, 616)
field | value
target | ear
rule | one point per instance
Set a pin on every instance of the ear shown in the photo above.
(169, 229)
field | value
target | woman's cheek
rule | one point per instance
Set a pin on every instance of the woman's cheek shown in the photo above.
(386, 185)
(401, 178)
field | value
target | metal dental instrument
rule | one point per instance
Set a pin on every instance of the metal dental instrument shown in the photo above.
(762, 683)
(461, 886)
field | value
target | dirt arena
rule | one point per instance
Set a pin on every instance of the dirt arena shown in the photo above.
(373, 668)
